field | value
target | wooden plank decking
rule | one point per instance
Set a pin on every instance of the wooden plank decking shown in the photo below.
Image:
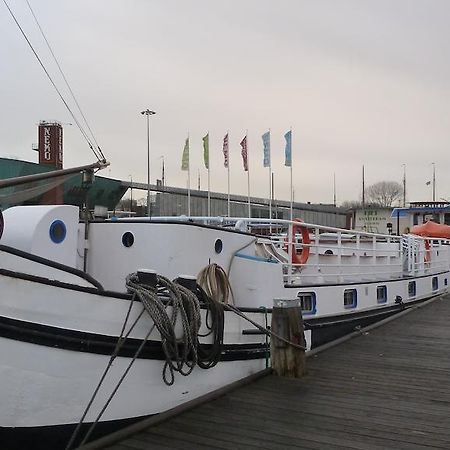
(388, 388)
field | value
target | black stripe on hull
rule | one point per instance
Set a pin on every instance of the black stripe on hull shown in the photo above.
(56, 437)
(100, 344)
(327, 329)
(322, 329)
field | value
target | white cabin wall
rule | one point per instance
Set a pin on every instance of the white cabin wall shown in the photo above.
(169, 249)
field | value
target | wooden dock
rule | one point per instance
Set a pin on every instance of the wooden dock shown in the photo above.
(388, 388)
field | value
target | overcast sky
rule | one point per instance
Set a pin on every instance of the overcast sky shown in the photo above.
(359, 81)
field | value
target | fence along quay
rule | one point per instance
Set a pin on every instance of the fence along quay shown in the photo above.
(385, 387)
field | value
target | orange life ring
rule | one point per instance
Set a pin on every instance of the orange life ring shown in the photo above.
(302, 256)
(427, 255)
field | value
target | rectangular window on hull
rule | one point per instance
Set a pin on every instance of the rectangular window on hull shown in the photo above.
(381, 294)
(308, 302)
(350, 298)
(435, 283)
(411, 289)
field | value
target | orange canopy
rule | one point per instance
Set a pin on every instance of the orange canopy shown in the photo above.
(432, 229)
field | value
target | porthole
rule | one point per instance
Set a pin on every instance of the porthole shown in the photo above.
(128, 239)
(57, 231)
(218, 246)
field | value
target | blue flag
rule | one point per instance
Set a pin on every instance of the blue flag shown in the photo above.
(266, 144)
(288, 149)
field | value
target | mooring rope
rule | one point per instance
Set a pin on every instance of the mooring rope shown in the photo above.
(215, 281)
(120, 341)
(169, 303)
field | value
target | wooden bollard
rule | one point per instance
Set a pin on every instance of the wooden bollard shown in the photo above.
(287, 322)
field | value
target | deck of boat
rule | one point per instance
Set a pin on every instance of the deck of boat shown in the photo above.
(388, 388)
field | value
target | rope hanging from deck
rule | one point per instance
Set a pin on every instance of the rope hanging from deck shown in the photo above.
(167, 303)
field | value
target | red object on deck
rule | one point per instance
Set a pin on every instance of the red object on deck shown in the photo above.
(431, 229)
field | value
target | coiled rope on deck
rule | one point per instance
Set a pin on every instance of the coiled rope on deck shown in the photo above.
(180, 353)
(215, 282)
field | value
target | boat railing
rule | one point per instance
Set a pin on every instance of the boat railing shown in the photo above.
(337, 255)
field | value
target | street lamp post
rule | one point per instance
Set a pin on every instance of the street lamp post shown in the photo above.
(148, 113)
(131, 195)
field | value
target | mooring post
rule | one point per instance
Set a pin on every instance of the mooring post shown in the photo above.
(287, 322)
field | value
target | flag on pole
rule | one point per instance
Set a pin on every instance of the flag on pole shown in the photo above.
(206, 150)
(288, 149)
(225, 150)
(266, 144)
(244, 153)
(185, 158)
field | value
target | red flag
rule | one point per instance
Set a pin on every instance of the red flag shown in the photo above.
(225, 150)
(244, 153)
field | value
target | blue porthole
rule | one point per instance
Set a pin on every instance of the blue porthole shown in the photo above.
(57, 231)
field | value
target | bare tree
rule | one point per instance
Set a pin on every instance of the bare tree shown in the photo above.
(384, 193)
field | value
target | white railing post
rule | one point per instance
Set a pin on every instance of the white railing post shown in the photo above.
(339, 252)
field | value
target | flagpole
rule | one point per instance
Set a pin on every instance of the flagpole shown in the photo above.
(189, 180)
(292, 191)
(209, 180)
(228, 174)
(334, 189)
(248, 175)
(270, 187)
(434, 182)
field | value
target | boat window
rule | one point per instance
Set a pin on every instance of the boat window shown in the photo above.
(445, 281)
(128, 239)
(57, 231)
(447, 218)
(350, 298)
(218, 246)
(412, 289)
(434, 283)
(307, 302)
(381, 294)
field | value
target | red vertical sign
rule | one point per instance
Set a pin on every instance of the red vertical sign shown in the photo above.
(51, 145)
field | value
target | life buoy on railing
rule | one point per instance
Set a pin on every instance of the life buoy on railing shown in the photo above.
(302, 256)
(427, 255)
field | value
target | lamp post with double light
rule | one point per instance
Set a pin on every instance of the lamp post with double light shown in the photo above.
(148, 113)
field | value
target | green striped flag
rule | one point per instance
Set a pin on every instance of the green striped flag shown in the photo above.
(185, 159)
(206, 150)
